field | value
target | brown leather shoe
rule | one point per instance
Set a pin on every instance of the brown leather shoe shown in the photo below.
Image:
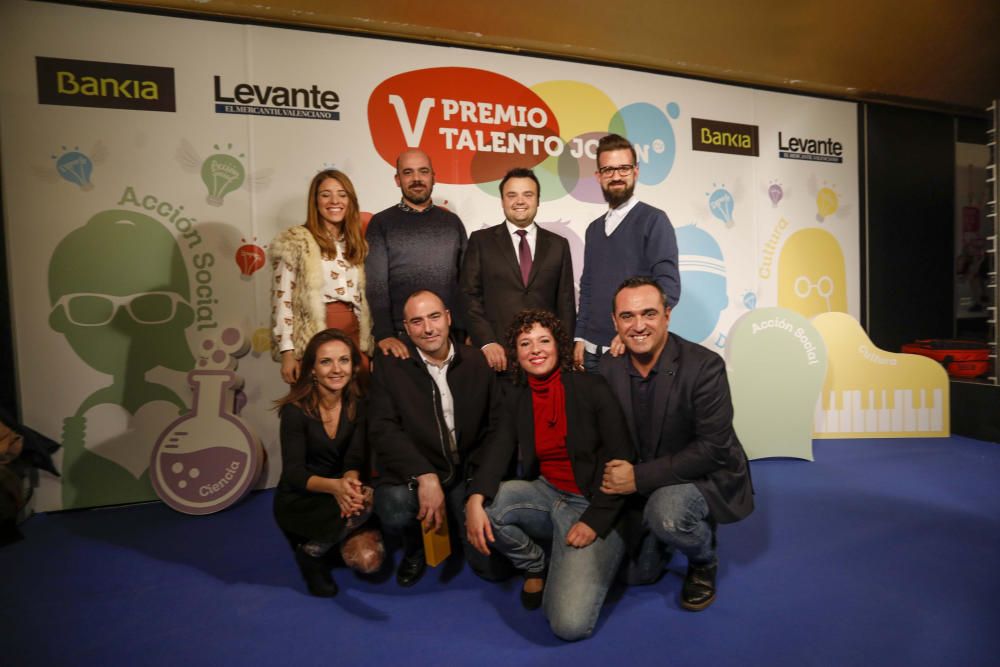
(699, 587)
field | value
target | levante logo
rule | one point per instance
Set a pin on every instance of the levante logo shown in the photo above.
(273, 100)
(86, 83)
(807, 148)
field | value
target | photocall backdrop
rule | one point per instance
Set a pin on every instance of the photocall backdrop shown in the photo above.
(148, 161)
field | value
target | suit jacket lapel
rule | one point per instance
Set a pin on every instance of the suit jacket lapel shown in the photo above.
(505, 246)
(543, 245)
(525, 430)
(666, 372)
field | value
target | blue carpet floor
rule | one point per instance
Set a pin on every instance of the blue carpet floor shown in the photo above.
(881, 552)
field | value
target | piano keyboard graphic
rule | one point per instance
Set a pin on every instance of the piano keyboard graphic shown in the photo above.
(884, 411)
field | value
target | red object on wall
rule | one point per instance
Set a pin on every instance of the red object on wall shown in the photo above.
(250, 258)
(960, 358)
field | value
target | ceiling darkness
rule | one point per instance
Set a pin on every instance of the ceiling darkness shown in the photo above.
(936, 54)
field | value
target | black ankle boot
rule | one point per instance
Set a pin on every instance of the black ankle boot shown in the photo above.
(532, 601)
(316, 572)
(411, 568)
(699, 587)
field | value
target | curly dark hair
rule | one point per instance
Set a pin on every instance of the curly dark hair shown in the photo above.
(523, 322)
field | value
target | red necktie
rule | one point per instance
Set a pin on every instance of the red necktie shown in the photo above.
(524, 256)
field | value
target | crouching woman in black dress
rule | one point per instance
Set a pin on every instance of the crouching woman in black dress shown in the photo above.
(322, 500)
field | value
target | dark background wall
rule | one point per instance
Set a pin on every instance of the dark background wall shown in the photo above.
(8, 402)
(909, 229)
(909, 234)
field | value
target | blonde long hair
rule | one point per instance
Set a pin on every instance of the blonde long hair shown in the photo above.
(355, 246)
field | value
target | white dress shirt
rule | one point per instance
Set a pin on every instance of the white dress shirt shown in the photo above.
(614, 216)
(440, 376)
(515, 238)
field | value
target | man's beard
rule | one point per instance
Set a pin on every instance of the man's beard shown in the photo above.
(616, 198)
(417, 197)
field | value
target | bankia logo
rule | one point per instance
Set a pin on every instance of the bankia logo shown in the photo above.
(88, 83)
(809, 148)
(255, 99)
(716, 136)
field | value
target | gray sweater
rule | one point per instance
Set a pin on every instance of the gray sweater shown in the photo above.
(411, 250)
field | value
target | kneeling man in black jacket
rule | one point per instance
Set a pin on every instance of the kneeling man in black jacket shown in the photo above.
(429, 418)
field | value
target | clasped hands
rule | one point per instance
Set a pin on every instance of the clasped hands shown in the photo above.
(352, 496)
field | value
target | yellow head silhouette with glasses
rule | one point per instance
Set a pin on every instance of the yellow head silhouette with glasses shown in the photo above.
(811, 274)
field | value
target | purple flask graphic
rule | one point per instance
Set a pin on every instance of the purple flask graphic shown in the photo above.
(208, 459)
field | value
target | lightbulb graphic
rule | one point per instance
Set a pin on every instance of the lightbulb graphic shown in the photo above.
(826, 204)
(221, 173)
(775, 193)
(76, 168)
(249, 258)
(721, 204)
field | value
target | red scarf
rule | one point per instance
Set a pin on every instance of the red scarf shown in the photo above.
(548, 400)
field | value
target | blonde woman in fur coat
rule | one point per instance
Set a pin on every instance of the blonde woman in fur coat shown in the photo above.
(319, 274)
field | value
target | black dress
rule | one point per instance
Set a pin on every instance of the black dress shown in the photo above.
(307, 450)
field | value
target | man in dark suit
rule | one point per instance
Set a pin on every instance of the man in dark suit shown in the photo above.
(692, 472)
(514, 266)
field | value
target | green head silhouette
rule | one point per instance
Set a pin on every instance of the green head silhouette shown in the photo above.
(119, 292)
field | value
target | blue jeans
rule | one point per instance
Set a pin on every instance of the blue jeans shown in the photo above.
(677, 518)
(524, 513)
(591, 359)
(397, 505)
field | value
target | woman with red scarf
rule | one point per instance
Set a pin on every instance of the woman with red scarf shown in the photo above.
(565, 426)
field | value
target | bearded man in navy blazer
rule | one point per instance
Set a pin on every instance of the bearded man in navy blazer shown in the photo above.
(515, 266)
(692, 472)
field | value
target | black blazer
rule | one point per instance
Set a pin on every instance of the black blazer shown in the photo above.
(495, 293)
(692, 428)
(595, 433)
(406, 426)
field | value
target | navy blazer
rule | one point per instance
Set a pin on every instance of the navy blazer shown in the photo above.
(495, 293)
(595, 433)
(692, 428)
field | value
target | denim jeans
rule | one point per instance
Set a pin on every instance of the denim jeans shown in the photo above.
(397, 505)
(591, 359)
(677, 518)
(525, 513)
